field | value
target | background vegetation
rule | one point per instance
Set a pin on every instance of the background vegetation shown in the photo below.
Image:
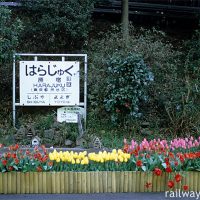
(146, 88)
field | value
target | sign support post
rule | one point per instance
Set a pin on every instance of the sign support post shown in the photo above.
(14, 92)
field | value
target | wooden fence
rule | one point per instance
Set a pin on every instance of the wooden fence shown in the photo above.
(91, 182)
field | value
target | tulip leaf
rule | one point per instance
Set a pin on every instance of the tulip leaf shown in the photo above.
(164, 165)
(15, 167)
(144, 168)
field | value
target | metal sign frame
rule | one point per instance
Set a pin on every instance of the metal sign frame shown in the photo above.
(63, 58)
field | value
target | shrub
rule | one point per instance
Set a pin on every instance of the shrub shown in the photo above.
(56, 25)
(156, 51)
(128, 77)
(10, 29)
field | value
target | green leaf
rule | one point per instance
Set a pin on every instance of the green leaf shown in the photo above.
(15, 167)
(164, 165)
(3, 170)
(144, 168)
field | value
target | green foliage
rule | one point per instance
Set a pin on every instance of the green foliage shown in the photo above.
(10, 29)
(56, 25)
(183, 109)
(44, 122)
(173, 103)
(128, 77)
(9, 34)
(157, 53)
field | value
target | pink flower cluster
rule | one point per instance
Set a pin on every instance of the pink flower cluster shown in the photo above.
(163, 145)
(184, 143)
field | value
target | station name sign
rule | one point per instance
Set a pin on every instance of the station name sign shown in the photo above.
(45, 83)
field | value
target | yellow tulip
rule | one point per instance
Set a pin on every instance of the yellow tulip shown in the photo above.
(82, 162)
(86, 160)
(77, 161)
(114, 151)
(51, 156)
(73, 161)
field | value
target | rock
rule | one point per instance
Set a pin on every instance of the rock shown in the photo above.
(47, 145)
(56, 125)
(68, 142)
(57, 138)
(146, 131)
(22, 132)
(2, 131)
(49, 133)
(9, 138)
(81, 142)
(145, 124)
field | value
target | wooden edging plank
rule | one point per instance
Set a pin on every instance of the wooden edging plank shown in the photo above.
(100, 182)
(57, 179)
(44, 182)
(75, 182)
(79, 178)
(83, 183)
(96, 182)
(14, 183)
(198, 182)
(9, 183)
(40, 182)
(62, 182)
(66, 189)
(27, 184)
(105, 182)
(49, 183)
(138, 181)
(88, 182)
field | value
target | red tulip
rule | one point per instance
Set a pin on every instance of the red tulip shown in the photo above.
(4, 162)
(157, 171)
(185, 187)
(170, 184)
(168, 169)
(10, 168)
(148, 185)
(178, 177)
(139, 163)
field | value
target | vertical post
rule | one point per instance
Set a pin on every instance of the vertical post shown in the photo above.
(85, 88)
(35, 58)
(14, 93)
(63, 58)
(125, 20)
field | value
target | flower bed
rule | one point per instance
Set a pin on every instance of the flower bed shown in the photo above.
(155, 165)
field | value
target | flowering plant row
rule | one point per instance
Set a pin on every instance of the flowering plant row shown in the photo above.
(176, 155)
(40, 160)
(155, 155)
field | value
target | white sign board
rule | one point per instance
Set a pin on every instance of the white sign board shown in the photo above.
(69, 114)
(45, 83)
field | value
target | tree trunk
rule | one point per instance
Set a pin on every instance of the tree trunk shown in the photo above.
(125, 20)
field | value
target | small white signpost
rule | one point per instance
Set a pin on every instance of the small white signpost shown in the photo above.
(70, 114)
(52, 83)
